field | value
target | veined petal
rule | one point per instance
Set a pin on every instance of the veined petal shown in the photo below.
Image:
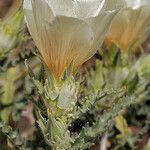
(115, 4)
(63, 41)
(88, 8)
(62, 7)
(129, 26)
(118, 26)
(42, 11)
(137, 3)
(37, 12)
(141, 26)
(100, 26)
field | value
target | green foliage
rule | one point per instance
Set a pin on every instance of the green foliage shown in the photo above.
(9, 136)
(10, 33)
(96, 109)
(71, 114)
(125, 131)
(8, 95)
(60, 107)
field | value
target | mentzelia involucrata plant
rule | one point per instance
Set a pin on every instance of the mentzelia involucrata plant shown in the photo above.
(130, 26)
(67, 31)
(10, 27)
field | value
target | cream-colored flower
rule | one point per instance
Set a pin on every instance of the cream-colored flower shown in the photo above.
(129, 27)
(67, 31)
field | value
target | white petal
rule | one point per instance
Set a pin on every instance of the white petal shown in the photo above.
(141, 25)
(115, 4)
(62, 7)
(137, 3)
(88, 8)
(36, 12)
(100, 26)
(129, 26)
(63, 41)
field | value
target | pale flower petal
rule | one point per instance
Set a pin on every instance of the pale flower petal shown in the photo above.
(62, 39)
(88, 8)
(129, 26)
(115, 4)
(62, 7)
(137, 3)
(99, 26)
(37, 12)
